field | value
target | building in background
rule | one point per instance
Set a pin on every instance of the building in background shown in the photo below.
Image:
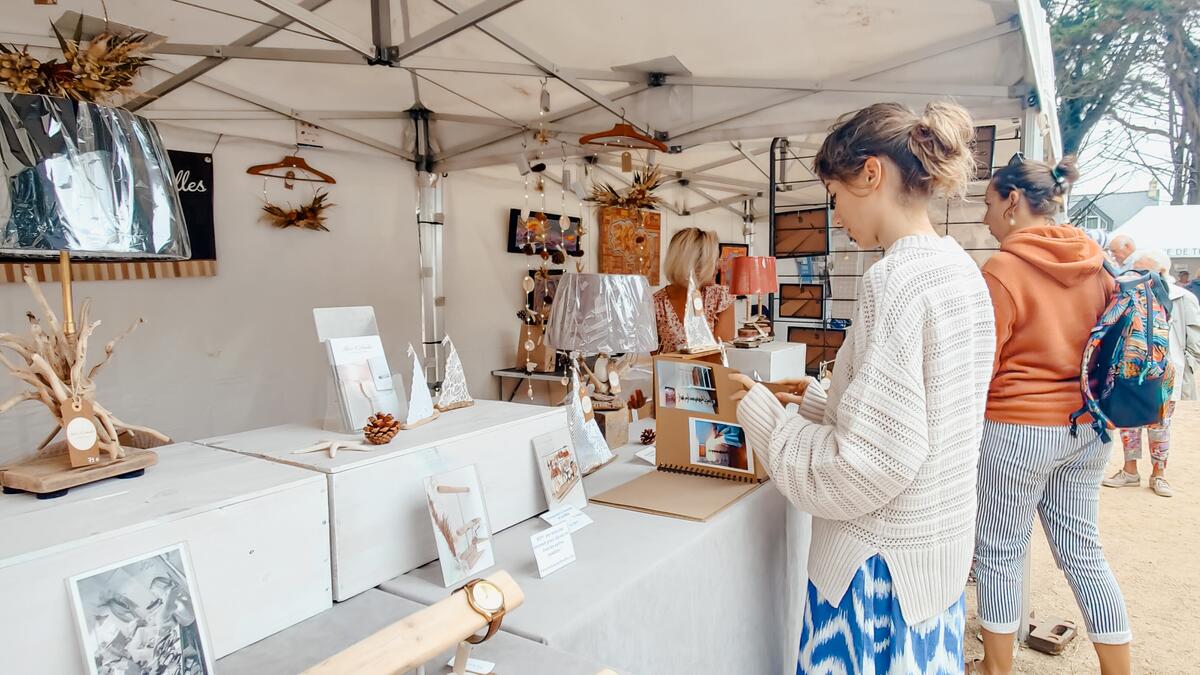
(1173, 229)
(1110, 211)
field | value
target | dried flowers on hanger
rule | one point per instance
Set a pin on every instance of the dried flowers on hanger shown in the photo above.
(91, 70)
(639, 195)
(309, 216)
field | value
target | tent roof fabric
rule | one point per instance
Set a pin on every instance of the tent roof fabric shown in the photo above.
(1173, 229)
(705, 74)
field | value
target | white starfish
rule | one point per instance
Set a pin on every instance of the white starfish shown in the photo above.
(331, 448)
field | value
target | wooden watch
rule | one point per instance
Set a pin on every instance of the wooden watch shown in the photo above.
(488, 601)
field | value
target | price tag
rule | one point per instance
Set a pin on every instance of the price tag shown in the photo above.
(552, 549)
(614, 382)
(585, 403)
(83, 439)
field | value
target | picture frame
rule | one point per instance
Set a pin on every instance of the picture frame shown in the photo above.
(518, 235)
(144, 614)
(562, 477)
(619, 250)
(725, 260)
(822, 343)
(800, 301)
(460, 523)
(801, 233)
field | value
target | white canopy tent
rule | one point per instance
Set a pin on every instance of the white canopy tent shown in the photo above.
(704, 76)
(1175, 230)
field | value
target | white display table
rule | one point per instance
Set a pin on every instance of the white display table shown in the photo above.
(773, 361)
(381, 524)
(328, 633)
(660, 595)
(257, 534)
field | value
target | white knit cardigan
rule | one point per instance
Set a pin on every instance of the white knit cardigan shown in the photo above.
(889, 465)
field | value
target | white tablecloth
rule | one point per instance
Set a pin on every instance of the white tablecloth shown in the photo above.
(656, 595)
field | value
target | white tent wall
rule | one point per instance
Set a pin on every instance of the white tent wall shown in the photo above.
(238, 350)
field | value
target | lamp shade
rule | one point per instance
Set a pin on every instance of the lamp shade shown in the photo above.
(88, 179)
(753, 275)
(603, 314)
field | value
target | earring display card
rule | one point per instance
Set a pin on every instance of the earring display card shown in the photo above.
(364, 381)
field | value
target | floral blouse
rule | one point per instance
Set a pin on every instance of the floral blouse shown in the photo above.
(671, 336)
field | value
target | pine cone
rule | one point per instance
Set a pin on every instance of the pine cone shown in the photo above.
(381, 428)
(648, 437)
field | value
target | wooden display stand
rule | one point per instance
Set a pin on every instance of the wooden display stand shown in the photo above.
(614, 424)
(413, 641)
(52, 476)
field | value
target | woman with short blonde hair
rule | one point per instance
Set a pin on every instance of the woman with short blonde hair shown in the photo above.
(692, 254)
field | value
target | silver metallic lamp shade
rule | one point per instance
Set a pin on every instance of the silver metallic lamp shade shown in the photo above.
(603, 314)
(88, 179)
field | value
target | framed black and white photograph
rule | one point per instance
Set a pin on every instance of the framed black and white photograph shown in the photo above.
(142, 617)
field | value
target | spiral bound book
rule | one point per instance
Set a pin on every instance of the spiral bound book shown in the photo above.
(704, 460)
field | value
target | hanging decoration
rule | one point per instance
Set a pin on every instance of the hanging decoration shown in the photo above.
(639, 195)
(95, 70)
(310, 216)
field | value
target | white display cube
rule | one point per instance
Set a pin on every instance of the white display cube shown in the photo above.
(380, 519)
(257, 534)
(772, 362)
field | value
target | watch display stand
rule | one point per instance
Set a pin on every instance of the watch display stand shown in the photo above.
(411, 642)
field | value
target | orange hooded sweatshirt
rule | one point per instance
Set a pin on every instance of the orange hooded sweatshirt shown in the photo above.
(1048, 288)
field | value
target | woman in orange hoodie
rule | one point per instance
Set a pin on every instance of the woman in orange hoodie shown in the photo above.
(1048, 288)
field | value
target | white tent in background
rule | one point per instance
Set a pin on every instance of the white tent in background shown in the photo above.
(1173, 229)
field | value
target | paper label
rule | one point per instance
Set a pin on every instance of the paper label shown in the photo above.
(649, 455)
(83, 439)
(552, 549)
(614, 381)
(572, 517)
(698, 304)
(477, 666)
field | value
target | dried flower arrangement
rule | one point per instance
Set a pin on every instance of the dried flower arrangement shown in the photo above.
(53, 362)
(90, 71)
(310, 216)
(639, 195)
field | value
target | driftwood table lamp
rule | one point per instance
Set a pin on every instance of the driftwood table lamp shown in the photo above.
(91, 182)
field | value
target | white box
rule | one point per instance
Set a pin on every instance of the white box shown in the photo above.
(381, 525)
(772, 361)
(257, 534)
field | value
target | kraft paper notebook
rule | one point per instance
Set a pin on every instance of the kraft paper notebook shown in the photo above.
(703, 456)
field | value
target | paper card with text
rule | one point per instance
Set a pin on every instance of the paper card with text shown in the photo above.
(477, 666)
(552, 549)
(573, 518)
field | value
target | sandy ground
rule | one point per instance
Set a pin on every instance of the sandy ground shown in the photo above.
(1153, 546)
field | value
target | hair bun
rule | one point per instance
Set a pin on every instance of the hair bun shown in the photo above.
(942, 140)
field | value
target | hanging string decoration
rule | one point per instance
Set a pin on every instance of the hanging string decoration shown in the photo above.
(310, 216)
(94, 70)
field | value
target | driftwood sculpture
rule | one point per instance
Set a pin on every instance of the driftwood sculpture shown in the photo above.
(52, 363)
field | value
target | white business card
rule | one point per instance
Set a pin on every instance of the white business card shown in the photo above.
(552, 549)
(649, 455)
(573, 518)
(476, 666)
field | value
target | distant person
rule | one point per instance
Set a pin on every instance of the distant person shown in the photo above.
(1048, 287)
(1182, 279)
(1121, 247)
(1194, 285)
(1184, 347)
(692, 255)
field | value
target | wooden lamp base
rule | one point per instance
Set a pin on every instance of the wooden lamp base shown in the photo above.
(52, 476)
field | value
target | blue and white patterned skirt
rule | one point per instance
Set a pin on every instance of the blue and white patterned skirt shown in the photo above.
(866, 633)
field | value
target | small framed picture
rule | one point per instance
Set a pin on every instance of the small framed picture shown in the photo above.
(460, 524)
(727, 252)
(720, 444)
(541, 233)
(142, 615)
(562, 479)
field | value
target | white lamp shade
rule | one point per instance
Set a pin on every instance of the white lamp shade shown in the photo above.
(603, 314)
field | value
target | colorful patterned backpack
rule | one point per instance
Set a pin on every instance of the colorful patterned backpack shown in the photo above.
(1127, 375)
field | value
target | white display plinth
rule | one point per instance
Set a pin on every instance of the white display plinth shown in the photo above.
(773, 361)
(257, 534)
(381, 524)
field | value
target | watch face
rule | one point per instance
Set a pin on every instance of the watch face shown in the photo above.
(487, 597)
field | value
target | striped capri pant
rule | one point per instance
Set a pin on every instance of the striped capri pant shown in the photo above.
(1023, 468)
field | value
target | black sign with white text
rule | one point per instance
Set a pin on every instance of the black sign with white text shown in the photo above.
(194, 181)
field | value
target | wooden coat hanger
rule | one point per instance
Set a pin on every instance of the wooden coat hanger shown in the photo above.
(623, 135)
(291, 163)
